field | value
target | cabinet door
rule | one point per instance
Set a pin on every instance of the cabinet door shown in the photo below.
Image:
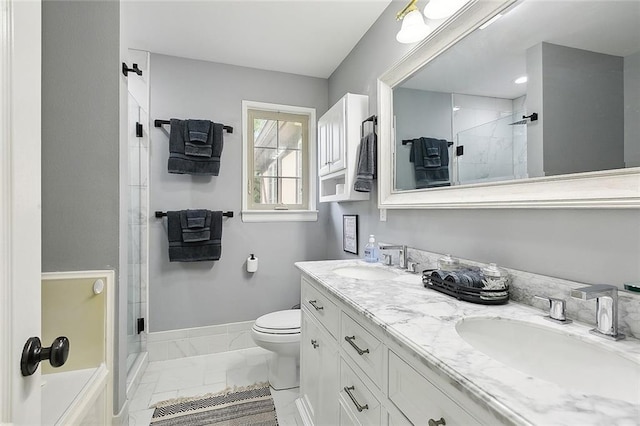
(324, 146)
(319, 378)
(338, 156)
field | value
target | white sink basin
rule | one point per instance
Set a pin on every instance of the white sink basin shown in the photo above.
(368, 273)
(554, 356)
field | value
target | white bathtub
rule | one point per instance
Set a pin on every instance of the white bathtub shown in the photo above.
(75, 397)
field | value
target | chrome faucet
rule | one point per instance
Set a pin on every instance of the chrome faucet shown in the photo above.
(402, 257)
(606, 308)
(557, 310)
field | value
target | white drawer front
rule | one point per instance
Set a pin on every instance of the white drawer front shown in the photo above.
(363, 347)
(420, 400)
(397, 419)
(362, 406)
(324, 310)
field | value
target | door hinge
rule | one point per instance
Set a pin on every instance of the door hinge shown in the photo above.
(139, 130)
(460, 150)
(140, 326)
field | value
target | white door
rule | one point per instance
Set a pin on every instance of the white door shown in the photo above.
(20, 240)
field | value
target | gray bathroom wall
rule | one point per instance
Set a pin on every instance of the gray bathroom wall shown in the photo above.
(80, 137)
(418, 113)
(632, 110)
(591, 245)
(583, 110)
(184, 295)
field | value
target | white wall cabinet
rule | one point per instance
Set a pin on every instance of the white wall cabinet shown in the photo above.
(351, 373)
(338, 141)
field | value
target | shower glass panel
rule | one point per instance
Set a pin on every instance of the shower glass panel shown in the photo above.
(137, 271)
(493, 151)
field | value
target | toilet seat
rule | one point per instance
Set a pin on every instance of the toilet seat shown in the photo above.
(279, 322)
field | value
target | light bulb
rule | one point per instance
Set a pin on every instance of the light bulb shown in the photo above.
(413, 28)
(440, 9)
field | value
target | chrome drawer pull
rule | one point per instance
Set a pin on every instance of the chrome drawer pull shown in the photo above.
(358, 406)
(440, 422)
(350, 339)
(314, 304)
(314, 343)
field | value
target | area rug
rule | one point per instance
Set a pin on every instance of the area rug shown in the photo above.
(250, 405)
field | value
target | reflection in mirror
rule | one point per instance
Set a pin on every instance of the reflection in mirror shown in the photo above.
(550, 88)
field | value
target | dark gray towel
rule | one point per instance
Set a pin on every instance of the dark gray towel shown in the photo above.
(195, 225)
(185, 251)
(366, 171)
(465, 278)
(182, 163)
(198, 138)
(430, 158)
(199, 131)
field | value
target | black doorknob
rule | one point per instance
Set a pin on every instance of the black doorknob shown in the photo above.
(33, 353)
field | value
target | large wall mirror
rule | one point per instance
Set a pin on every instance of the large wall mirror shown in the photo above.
(540, 108)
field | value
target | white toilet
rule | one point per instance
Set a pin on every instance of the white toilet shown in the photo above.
(279, 332)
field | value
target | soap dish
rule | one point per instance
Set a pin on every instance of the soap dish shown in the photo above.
(482, 296)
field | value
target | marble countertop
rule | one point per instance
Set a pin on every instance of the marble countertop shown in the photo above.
(423, 321)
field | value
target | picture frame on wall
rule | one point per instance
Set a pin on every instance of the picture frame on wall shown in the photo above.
(350, 233)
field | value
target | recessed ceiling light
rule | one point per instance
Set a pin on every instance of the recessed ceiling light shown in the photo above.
(490, 21)
(521, 80)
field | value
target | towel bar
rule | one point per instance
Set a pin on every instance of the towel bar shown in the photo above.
(160, 214)
(406, 141)
(159, 123)
(373, 119)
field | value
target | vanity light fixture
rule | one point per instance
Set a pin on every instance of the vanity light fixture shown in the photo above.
(440, 9)
(413, 27)
(521, 80)
(490, 21)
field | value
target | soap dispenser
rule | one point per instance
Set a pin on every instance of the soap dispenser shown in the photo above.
(371, 250)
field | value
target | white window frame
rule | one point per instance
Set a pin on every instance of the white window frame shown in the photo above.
(310, 214)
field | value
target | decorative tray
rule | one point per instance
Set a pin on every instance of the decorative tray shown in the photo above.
(483, 296)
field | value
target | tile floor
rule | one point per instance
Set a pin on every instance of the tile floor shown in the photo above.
(200, 375)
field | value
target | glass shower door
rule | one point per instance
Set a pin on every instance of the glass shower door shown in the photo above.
(137, 270)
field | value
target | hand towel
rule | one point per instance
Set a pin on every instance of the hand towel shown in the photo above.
(366, 171)
(186, 251)
(195, 225)
(198, 138)
(199, 131)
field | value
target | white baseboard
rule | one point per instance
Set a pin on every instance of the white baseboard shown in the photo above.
(196, 341)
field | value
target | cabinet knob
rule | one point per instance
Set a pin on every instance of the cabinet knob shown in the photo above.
(440, 422)
(314, 343)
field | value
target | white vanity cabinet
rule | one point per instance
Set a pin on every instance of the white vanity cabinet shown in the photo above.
(352, 373)
(319, 358)
(338, 142)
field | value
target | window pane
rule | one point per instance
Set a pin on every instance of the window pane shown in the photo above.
(265, 162)
(290, 164)
(265, 133)
(290, 135)
(265, 190)
(291, 191)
